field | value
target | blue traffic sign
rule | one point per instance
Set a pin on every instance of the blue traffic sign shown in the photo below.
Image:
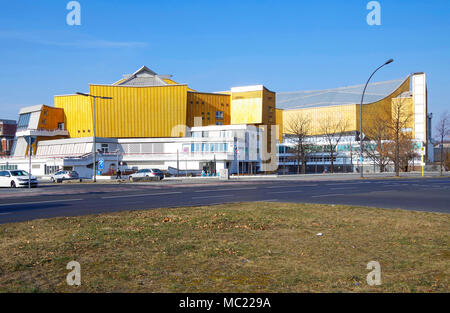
(100, 164)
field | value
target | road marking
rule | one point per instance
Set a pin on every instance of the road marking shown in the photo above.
(291, 186)
(280, 187)
(329, 195)
(38, 202)
(143, 195)
(211, 197)
(342, 188)
(6, 213)
(287, 191)
(229, 189)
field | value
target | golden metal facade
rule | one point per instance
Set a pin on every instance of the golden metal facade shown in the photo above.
(77, 115)
(204, 107)
(158, 111)
(346, 114)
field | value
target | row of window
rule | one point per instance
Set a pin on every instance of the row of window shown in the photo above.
(313, 159)
(197, 102)
(8, 167)
(209, 147)
(219, 115)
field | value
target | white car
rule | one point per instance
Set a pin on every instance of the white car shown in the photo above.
(64, 175)
(16, 178)
(147, 173)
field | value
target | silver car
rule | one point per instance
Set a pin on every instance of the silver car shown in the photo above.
(147, 173)
(64, 175)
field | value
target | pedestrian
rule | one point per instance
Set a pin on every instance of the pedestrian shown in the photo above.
(119, 174)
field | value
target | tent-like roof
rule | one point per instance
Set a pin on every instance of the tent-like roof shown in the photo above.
(338, 96)
(143, 77)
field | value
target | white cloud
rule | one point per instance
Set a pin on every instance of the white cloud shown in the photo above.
(78, 43)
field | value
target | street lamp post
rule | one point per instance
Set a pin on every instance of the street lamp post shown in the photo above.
(95, 142)
(361, 119)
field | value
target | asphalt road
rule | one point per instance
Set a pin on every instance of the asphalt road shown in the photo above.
(53, 200)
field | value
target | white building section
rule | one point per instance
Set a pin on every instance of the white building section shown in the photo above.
(419, 89)
(210, 148)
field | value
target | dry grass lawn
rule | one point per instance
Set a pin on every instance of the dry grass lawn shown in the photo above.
(250, 247)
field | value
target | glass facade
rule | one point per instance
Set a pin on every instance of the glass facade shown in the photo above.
(209, 147)
(24, 120)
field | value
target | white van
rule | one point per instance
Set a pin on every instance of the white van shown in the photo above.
(16, 178)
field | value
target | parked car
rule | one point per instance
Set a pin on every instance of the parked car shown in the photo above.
(147, 173)
(65, 175)
(16, 178)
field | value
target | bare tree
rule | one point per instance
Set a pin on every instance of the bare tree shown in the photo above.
(399, 128)
(298, 129)
(333, 130)
(378, 152)
(406, 151)
(443, 130)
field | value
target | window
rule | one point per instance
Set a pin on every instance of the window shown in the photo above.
(44, 121)
(219, 123)
(105, 148)
(219, 115)
(61, 126)
(24, 119)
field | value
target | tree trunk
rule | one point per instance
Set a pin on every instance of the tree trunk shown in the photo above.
(303, 164)
(331, 159)
(397, 156)
(442, 153)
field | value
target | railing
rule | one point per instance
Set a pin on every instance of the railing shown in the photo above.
(40, 131)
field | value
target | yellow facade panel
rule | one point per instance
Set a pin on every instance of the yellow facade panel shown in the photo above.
(77, 115)
(247, 107)
(348, 114)
(157, 111)
(279, 122)
(50, 118)
(375, 111)
(205, 105)
(344, 114)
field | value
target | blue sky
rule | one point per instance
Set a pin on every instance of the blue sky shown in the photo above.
(214, 45)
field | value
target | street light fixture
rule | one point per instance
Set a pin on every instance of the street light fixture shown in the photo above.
(95, 142)
(361, 114)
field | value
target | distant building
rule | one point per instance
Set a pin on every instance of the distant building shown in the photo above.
(151, 121)
(341, 105)
(445, 151)
(7, 133)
